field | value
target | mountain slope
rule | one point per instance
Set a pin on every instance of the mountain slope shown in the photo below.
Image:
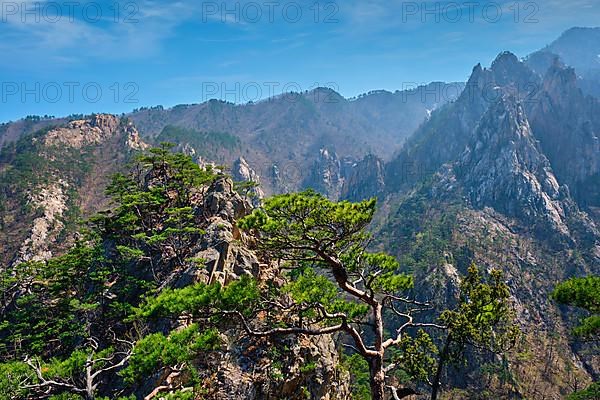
(475, 184)
(567, 123)
(51, 178)
(444, 136)
(283, 138)
(503, 168)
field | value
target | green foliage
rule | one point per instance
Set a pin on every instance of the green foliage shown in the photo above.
(416, 357)
(57, 306)
(157, 351)
(154, 216)
(200, 299)
(14, 376)
(209, 145)
(66, 396)
(308, 217)
(10, 373)
(67, 368)
(390, 280)
(582, 293)
(246, 188)
(179, 395)
(483, 317)
(589, 327)
(312, 288)
(592, 392)
(358, 368)
(308, 367)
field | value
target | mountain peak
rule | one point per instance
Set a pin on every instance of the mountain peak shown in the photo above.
(577, 31)
(504, 168)
(508, 70)
(479, 77)
(476, 75)
(325, 94)
(579, 48)
(505, 58)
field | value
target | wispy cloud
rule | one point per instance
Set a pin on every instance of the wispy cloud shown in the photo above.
(136, 32)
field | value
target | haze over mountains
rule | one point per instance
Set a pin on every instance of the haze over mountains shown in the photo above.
(578, 48)
(503, 170)
(294, 139)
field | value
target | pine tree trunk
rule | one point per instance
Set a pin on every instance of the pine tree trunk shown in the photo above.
(377, 378)
(438, 374)
(89, 381)
(376, 371)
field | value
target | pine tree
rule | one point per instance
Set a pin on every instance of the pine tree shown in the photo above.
(583, 293)
(332, 284)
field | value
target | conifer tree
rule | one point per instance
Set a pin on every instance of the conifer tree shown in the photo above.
(332, 284)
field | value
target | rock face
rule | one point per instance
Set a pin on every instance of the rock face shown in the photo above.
(567, 124)
(247, 370)
(444, 136)
(52, 202)
(83, 132)
(540, 138)
(250, 375)
(525, 147)
(226, 258)
(99, 128)
(73, 164)
(328, 173)
(503, 168)
(366, 179)
(242, 172)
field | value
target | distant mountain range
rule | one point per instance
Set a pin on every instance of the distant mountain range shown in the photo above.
(578, 48)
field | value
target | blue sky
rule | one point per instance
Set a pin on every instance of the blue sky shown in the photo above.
(67, 57)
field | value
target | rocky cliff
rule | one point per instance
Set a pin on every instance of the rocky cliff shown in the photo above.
(567, 124)
(248, 367)
(242, 172)
(366, 179)
(487, 179)
(444, 136)
(503, 167)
